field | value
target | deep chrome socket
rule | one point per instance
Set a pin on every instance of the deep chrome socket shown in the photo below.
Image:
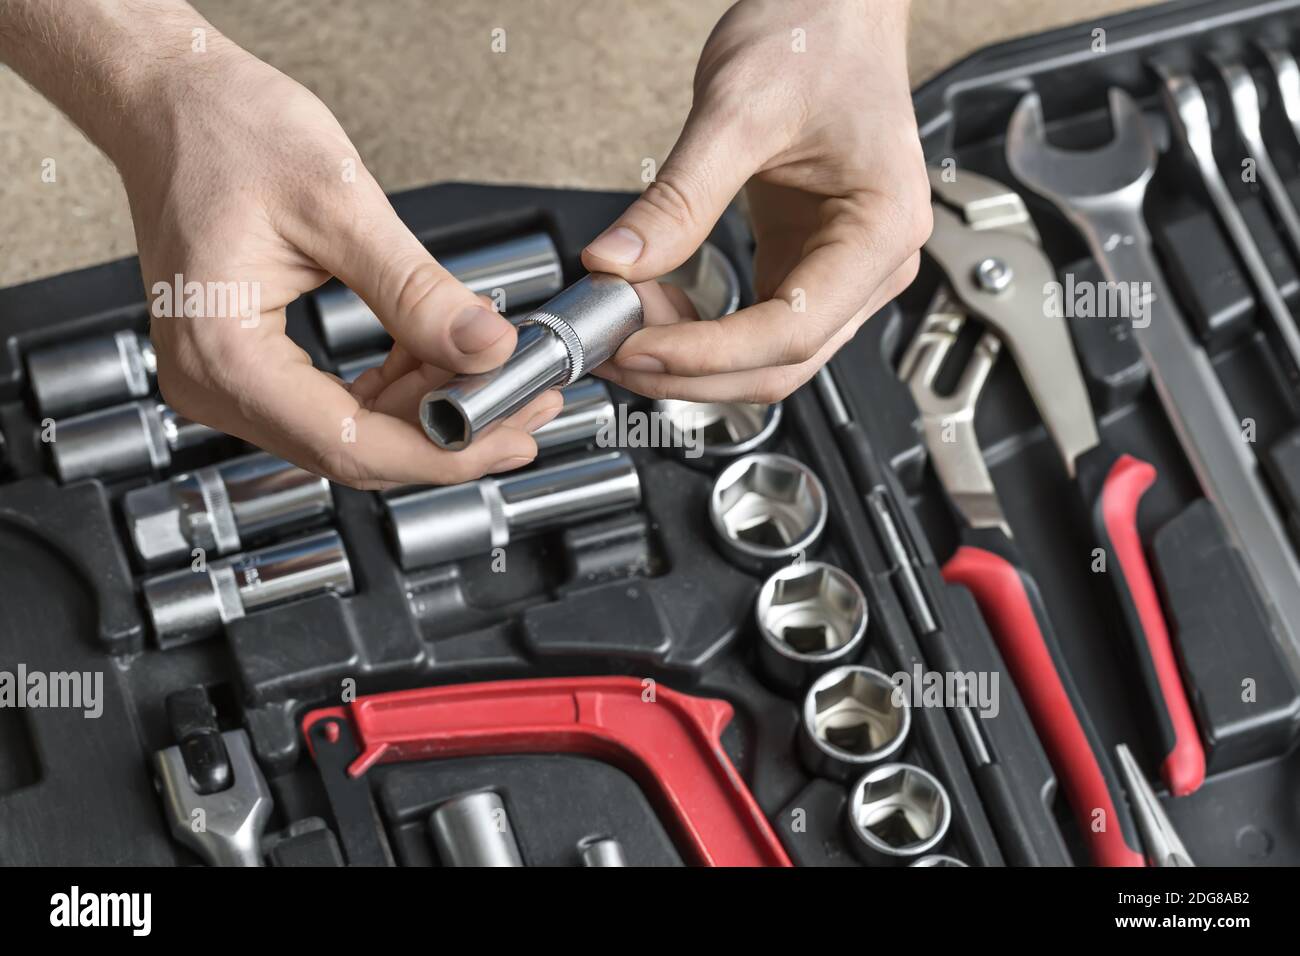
(896, 813)
(221, 508)
(811, 616)
(526, 270)
(458, 521)
(190, 605)
(124, 440)
(91, 372)
(768, 509)
(474, 830)
(558, 343)
(852, 719)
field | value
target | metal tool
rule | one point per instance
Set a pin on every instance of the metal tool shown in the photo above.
(221, 508)
(720, 430)
(672, 747)
(896, 813)
(937, 859)
(560, 342)
(91, 372)
(458, 521)
(193, 721)
(853, 717)
(124, 440)
(989, 565)
(1287, 75)
(1244, 97)
(989, 251)
(1190, 121)
(232, 819)
(602, 851)
(474, 830)
(768, 509)
(709, 280)
(189, 605)
(1163, 846)
(517, 272)
(1101, 192)
(811, 616)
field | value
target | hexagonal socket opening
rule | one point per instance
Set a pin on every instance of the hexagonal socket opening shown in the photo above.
(852, 710)
(813, 609)
(770, 502)
(445, 423)
(899, 808)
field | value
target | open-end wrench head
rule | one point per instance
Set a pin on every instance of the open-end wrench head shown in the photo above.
(1119, 170)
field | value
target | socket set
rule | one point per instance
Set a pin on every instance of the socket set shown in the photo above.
(868, 617)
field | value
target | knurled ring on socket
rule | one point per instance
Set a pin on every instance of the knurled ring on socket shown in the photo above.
(564, 332)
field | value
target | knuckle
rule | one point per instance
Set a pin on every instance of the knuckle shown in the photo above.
(420, 286)
(672, 196)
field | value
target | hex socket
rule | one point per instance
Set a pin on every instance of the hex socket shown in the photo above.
(767, 509)
(189, 605)
(852, 719)
(811, 617)
(131, 439)
(896, 813)
(91, 372)
(937, 859)
(458, 521)
(221, 508)
(525, 270)
(474, 830)
(720, 430)
(569, 335)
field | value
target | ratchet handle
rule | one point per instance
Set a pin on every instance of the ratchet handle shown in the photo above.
(1113, 485)
(987, 565)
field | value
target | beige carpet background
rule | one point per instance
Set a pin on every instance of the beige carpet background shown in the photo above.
(585, 91)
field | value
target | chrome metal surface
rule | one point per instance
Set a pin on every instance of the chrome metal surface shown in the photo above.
(474, 830)
(897, 812)
(91, 372)
(811, 616)
(1159, 838)
(853, 717)
(768, 509)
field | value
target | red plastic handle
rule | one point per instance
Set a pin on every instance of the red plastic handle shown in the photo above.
(1115, 522)
(669, 742)
(1011, 607)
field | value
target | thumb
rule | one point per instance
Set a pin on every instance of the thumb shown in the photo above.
(426, 309)
(668, 222)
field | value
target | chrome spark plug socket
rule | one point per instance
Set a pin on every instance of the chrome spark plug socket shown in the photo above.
(767, 509)
(132, 439)
(526, 269)
(896, 813)
(91, 372)
(558, 343)
(189, 605)
(457, 521)
(221, 508)
(852, 719)
(811, 616)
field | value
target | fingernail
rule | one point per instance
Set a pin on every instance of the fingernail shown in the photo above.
(619, 244)
(508, 464)
(541, 418)
(477, 328)
(641, 363)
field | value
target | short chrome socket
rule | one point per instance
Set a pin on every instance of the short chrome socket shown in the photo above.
(768, 509)
(938, 859)
(719, 430)
(896, 813)
(709, 280)
(811, 616)
(852, 719)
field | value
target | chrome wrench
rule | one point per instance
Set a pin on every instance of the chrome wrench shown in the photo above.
(1101, 192)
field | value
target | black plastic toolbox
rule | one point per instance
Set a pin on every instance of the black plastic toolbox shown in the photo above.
(648, 594)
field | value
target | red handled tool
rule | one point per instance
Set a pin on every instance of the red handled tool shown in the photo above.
(989, 251)
(988, 565)
(670, 743)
